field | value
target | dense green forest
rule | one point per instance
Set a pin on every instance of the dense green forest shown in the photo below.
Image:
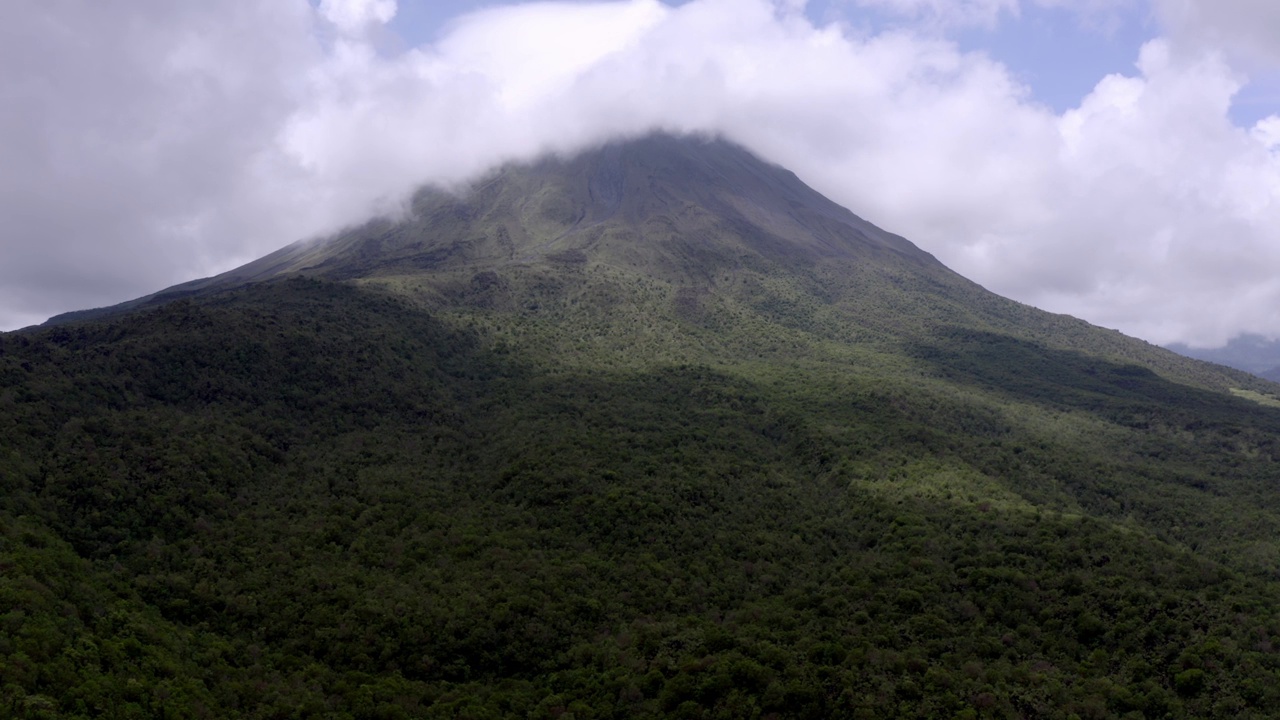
(304, 499)
(652, 432)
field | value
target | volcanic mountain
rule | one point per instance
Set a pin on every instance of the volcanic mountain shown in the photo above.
(655, 430)
(685, 233)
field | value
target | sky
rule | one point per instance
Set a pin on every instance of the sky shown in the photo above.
(1117, 160)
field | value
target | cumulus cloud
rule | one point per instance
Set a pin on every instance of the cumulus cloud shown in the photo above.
(353, 16)
(184, 138)
(1163, 213)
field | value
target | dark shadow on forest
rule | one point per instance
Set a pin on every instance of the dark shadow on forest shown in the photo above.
(1126, 394)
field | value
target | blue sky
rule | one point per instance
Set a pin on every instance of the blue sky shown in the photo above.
(1056, 55)
(421, 21)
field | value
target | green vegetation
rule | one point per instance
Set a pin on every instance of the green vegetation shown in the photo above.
(1254, 395)
(303, 499)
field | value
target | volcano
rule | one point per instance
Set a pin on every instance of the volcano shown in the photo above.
(714, 235)
(653, 430)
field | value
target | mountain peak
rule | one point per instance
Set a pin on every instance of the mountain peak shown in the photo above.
(677, 208)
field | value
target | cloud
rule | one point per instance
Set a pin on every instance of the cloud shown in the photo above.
(198, 137)
(1163, 214)
(1246, 30)
(947, 13)
(354, 16)
(126, 134)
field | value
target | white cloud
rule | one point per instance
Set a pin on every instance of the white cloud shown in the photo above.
(354, 16)
(529, 52)
(1164, 214)
(184, 138)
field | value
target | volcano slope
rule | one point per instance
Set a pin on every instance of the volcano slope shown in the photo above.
(653, 431)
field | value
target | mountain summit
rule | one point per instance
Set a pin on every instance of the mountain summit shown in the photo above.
(674, 208)
(690, 211)
(667, 233)
(664, 234)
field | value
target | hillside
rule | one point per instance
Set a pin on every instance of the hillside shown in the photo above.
(655, 431)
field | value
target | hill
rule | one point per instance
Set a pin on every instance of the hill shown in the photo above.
(654, 431)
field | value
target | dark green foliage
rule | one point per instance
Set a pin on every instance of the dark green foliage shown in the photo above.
(302, 499)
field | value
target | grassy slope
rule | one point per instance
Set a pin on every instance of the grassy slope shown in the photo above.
(583, 492)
